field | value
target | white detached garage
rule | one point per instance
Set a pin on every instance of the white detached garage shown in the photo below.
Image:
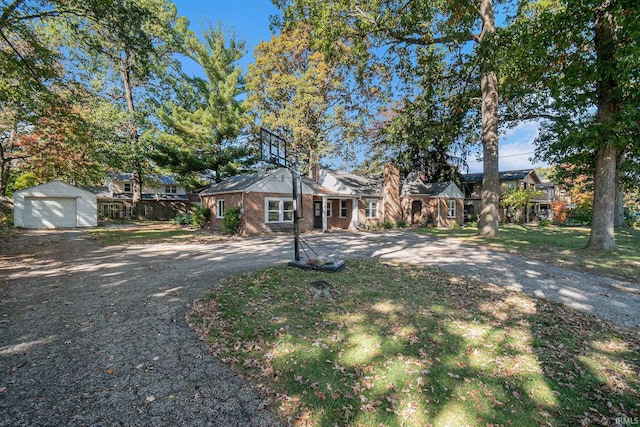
(54, 204)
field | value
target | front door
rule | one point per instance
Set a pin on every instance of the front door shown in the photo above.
(317, 214)
(416, 212)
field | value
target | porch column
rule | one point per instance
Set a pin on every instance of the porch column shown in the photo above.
(324, 214)
(354, 214)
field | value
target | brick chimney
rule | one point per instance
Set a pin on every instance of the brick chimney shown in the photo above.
(391, 188)
(315, 172)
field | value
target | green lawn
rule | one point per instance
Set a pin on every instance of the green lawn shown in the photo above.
(146, 232)
(403, 345)
(561, 246)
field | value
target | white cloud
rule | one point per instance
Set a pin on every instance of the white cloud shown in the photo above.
(516, 149)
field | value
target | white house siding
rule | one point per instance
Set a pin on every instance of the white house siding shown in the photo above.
(54, 204)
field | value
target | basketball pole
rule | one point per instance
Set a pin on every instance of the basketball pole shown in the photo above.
(296, 224)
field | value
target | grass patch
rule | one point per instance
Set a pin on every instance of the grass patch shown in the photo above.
(145, 232)
(404, 345)
(562, 246)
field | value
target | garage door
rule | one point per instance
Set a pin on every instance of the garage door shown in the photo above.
(50, 212)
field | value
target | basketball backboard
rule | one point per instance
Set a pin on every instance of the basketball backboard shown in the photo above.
(273, 148)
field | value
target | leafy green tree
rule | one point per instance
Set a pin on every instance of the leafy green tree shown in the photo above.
(399, 30)
(46, 47)
(120, 57)
(517, 201)
(293, 90)
(432, 129)
(576, 66)
(201, 127)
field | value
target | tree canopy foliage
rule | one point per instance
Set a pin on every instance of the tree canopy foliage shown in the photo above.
(296, 92)
(575, 65)
(200, 126)
(403, 35)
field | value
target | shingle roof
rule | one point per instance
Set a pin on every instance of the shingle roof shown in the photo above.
(502, 176)
(413, 185)
(161, 179)
(360, 184)
(236, 183)
(240, 183)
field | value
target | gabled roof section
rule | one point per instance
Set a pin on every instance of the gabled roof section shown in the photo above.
(413, 185)
(348, 183)
(159, 179)
(512, 175)
(49, 189)
(271, 181)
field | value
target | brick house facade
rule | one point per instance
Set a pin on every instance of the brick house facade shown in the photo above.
(329, 200)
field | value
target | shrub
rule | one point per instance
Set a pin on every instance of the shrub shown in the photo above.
(454, 225)
(544, 223)
(200, 216)
(231, 221)
(403, 224)
(388, 225)
(581, 214)
(375, 226)
(182, 219)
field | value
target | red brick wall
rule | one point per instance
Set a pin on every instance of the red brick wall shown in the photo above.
(335, 221)
(253, 218)
(231, 200)
(392, 208)
(362, 219)
(430, 209)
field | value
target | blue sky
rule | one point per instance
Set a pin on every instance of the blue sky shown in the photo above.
(249, 20)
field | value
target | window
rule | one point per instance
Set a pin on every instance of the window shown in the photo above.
(329, 208)
(278, 210)
(220, 208)
(371, 208)
(171, 189)
(451, 208)
(343, 209)
(127, 187)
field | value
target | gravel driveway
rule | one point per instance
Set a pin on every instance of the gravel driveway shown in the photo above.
(96, 336)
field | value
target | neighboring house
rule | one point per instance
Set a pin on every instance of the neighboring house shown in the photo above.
(440, 204)
(329, 200)
(540, 206)
(54, 204)
(162, 196)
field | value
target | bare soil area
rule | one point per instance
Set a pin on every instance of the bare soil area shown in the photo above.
(93, 335)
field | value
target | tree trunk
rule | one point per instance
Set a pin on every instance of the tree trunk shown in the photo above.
(618, 217)
(5, 162)
(136, 185)
(602, 237)
(488, 221)
(5, 171)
